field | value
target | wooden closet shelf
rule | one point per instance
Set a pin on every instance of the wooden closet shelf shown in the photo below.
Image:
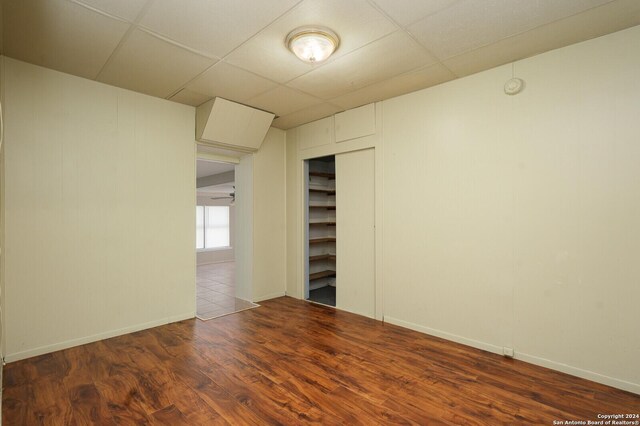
(322, 240)
(322, 257)
(327, 191)
(322, 206)
(323, 174)
(327, 222)
(321, 274)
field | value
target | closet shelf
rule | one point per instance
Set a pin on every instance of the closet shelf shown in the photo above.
(324, 222)
(325, 190)
(322, 257)
(323, 174)
(321, 274)
(322, 206)
(322, 240)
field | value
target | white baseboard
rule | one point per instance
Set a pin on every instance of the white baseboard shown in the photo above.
(578, 372)
(214, 262)
(41, 350)
(531, 359)
(443, 334)
(268, 296)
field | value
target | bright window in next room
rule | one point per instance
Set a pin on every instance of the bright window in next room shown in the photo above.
(212, 227)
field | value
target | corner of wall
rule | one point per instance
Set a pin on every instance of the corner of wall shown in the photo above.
(292, 203)
(269, 217)
(2, 322)
(244, 229)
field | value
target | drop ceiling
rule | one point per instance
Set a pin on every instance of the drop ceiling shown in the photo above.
(223, 190)
(207, 168)
(190, 51)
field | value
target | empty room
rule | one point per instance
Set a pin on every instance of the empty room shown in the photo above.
(250, 212)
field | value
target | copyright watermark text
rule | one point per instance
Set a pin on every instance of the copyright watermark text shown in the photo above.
(626, 419)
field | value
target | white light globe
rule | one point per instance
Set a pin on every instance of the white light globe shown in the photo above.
(312, 44)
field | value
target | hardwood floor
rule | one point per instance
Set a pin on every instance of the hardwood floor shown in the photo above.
(292, 362)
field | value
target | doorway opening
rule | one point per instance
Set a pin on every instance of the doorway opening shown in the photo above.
(216, 214)
(321, 226)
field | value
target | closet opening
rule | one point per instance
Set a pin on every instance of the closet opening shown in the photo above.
(320, 220)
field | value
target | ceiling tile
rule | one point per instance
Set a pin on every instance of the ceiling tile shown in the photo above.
(595, 22)
(283, 100)
(396, 86)
(355, 21)
(187, 97)
(306, 115)
(212, 27)
(375, 60)
(267, 56)
(406, 12)
(230, 82)
(149, 65)
(393, 55)
(125, 9)
(209, 168)
(471, 24)
(60, 35)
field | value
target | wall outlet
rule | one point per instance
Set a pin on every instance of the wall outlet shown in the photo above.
(508, 352)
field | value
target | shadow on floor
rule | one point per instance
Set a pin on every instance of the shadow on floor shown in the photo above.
(325, 295)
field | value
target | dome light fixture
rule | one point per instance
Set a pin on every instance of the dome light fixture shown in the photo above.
(312, 44)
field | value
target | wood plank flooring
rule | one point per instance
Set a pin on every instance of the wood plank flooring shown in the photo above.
(293, 362)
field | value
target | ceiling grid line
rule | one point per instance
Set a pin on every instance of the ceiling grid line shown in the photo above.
(409, 23)
(511, 36)
(338, 58)
(286, 83)
(135, 24)
(100, 12)
(190, 52)
(404, 74)
(404, 28)
(177, 44)
(124, 38)
(233, 50)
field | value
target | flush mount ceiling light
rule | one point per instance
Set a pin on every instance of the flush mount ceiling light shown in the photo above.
(312, 44)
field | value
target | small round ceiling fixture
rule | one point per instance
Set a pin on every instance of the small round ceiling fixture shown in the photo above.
(312, 44)
(513, 86)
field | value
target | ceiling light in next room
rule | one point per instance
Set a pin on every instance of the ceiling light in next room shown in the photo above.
(312, 44)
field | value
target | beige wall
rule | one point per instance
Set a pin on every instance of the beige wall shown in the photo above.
(515, 221)
(100, 195)
(294, 202)
(508, 221)
(269, 217)
(244, 230)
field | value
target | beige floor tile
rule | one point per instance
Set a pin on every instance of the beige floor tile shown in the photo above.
(215, 291)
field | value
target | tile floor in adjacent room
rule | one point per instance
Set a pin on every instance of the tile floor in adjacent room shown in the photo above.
(215, 292)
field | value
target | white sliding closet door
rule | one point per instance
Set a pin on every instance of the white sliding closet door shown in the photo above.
(355, 233)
